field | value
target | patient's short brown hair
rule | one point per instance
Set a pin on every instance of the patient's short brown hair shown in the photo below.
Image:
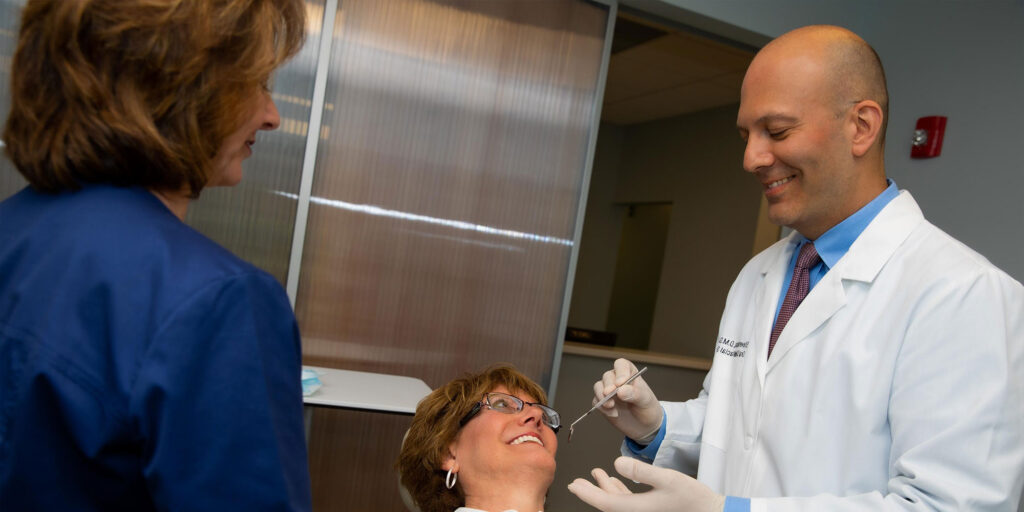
(139, 92)
(437, 424)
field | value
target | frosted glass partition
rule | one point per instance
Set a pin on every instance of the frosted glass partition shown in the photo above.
(443, 206)
(447, 184)
(256, 218)
(10, 16)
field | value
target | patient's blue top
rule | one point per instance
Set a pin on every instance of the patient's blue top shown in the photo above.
(142, 366)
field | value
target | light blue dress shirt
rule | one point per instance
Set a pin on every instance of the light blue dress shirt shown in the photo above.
(833, 244)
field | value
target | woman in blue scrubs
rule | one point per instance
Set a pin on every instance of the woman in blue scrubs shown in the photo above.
(142, 366)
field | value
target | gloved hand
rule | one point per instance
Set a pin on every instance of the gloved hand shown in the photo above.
(671, 490)
(634, 410)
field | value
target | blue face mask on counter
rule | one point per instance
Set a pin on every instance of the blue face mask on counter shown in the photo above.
(310, 382)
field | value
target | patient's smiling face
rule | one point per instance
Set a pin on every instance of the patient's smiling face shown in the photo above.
(495, 446)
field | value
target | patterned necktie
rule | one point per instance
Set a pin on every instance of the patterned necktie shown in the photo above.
(799, 285)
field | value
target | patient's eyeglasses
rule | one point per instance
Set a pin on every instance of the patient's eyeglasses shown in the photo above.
(509, 404)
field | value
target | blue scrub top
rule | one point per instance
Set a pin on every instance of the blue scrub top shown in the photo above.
(142, 366)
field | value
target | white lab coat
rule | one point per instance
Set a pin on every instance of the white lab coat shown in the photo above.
(898, 384)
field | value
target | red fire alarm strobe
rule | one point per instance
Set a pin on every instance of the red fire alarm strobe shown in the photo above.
(928, 137)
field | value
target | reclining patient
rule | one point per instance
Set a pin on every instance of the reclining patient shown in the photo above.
(483, 442)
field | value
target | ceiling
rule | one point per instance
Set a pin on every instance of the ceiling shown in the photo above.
(657, 72)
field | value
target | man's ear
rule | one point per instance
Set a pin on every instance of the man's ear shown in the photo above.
(867, 126)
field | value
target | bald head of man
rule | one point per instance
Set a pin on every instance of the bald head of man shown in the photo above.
(813, 109)
(853, 69)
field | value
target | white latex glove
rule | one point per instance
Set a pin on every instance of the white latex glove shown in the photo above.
(635, 410)
(671, 491)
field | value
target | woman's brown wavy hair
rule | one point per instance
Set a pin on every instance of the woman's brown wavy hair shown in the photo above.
(139, 92)
(436, 425)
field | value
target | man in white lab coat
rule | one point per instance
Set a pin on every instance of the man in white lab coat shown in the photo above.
(896, 384)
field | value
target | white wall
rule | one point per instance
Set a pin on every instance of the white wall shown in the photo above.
(963, 60)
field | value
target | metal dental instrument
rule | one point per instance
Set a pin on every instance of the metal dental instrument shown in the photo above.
(605, 399)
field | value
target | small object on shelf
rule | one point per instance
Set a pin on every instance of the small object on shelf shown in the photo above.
(310, 381)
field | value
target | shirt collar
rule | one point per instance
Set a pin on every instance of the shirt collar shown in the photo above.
(832, 245)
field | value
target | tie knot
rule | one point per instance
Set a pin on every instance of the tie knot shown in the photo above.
(808, 256)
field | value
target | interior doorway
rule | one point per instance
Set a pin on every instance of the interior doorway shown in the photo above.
(637, 273)
(667, 137)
